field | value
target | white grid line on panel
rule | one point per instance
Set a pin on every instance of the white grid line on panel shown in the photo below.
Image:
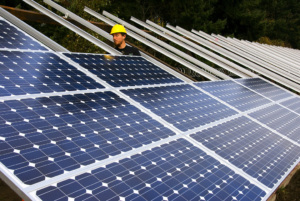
(277, 102)
(246, 113)
(11, 24)
(98, 164)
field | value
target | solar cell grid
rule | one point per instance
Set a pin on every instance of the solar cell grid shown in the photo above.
(266, 89)
(251, 147)
(280, 119)
(234, 94)
(293, 104)
(45, 137)
(13, 38)
(122, 71)
(24, 73)
(174, 171)
(182, 105)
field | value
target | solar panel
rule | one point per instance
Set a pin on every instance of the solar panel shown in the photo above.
(12, 37)
(251, 147)
(293, 104)
(280, 119)
(173, 171)
(120, 71)
(234, 94)
(45, 137)
(265, 88)
(24, 73)
(183, 106)
(107, 143)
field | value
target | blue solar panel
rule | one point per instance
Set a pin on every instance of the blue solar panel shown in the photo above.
(182, 105)
(293, 104)
(265, 88)
(24, 73)
(174, 171)
(280, 119)
(234, 94)
(121, 71)
(45, 137)
(13, 38)
(251, 147)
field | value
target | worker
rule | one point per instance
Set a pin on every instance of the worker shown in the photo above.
(119, 35)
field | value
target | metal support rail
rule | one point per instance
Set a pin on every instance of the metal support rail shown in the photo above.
(31, 31)
(256, 64)
(276, 54)
(72, 27)
(246, 53)
(216, 47)
(273, 55)
(279, 66)
(285, 52)
(109, 37)
(205, 51)
(156, 47)
(207, 57)
(167, 46)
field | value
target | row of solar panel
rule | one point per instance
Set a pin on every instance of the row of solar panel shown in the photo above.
(70, 123)
(46, 137)
(48, 72)
(246, 144)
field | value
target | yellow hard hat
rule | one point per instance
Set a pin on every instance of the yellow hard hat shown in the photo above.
(118, 29)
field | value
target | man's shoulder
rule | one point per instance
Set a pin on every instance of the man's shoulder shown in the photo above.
(133, 50)
(128, 50)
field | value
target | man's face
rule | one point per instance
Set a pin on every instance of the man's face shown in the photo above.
(118, 39)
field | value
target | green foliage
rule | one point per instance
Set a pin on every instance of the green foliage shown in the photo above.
(276, 22)
(283, 19)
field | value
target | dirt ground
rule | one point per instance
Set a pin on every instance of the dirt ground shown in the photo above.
(6, 194)
(290, 193)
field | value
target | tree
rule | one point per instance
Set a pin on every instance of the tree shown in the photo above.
(245, 19)
(193, 15)
(283, 21)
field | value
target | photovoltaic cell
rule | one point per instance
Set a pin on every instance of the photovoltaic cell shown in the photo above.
(182, 105)
(122, 71)
(280, 119)
(264, 88)
(24, 73)
(251, 147)
(174, 171)
(13, 38)
(234, 94)
(45, 137)
(293, 104)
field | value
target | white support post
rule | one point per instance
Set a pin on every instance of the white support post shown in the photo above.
(216, 46)
(72, 27)
(205, 51)
(190, 48)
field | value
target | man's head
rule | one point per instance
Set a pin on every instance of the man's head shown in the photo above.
(119, 34)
